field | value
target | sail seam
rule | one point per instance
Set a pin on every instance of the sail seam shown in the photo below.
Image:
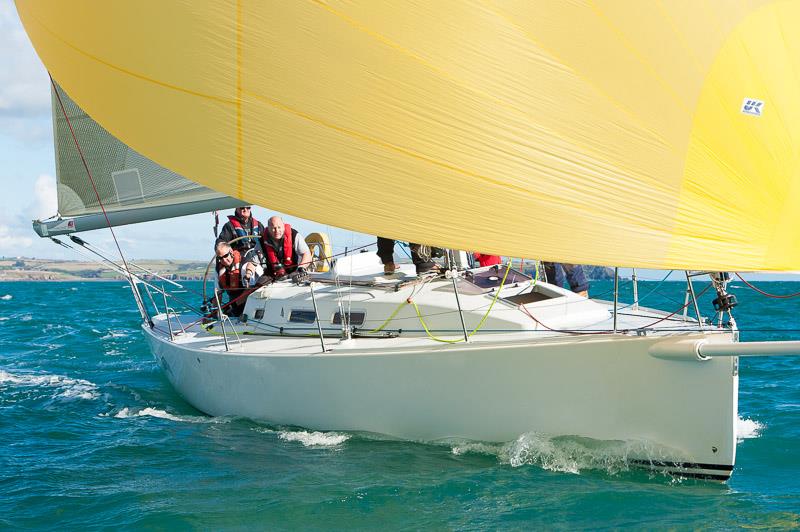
(239, 132)
(408, 152)
(654, 136)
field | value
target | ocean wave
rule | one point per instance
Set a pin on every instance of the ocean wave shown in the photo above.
(314, 439)
(6, 297)
(114, 334)
(66, 387)
(126, 412)
(748, 428)
(566, 454)
(308, 438)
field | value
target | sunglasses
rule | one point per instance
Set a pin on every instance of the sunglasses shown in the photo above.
(225, 256)
(244, 208)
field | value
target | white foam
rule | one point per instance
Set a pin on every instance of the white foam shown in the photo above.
(66, 387)
(126, 412)
(4, 319)
(6, 297)
(74, 289)
(747, 428)
(114, 334)
(314, 439)
(564, 454)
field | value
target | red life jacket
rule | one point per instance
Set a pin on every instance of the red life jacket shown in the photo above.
(487, 260)
(230, 279)
(278, 266)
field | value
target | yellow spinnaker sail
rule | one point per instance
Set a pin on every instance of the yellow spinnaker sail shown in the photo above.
(661, 134)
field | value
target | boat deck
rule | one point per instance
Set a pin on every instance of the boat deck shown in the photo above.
(242, 339)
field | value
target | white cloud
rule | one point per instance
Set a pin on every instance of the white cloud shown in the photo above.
(11, 242)
(45, 197)
(24, 83)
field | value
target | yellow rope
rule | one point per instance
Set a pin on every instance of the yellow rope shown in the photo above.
(431, 336)
(390, 318)
(480, 323)
(422, 320)
(496, 295)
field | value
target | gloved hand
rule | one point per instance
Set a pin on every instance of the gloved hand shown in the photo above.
(300, 275)
(264, 280)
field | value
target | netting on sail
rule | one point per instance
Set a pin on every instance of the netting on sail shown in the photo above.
(125, 179)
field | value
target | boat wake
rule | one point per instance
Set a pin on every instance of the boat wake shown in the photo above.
(314, 439)
(64, 387)
(308, 438)
(567, 454)
(163, 414)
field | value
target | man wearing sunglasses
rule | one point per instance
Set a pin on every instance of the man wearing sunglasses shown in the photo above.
(231, 277)
(244, 227)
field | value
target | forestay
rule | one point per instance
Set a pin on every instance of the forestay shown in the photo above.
(648, 134)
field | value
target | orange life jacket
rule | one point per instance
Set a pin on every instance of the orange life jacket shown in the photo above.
(230, 278)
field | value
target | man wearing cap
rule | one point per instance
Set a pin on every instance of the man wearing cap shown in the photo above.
(242, 224)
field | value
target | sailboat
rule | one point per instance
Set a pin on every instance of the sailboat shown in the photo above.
(626, 134)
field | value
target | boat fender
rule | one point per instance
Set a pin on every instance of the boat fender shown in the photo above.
(673, 349)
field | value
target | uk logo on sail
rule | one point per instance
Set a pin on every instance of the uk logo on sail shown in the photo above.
(752, 107)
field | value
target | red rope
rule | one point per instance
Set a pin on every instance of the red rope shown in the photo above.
(776, 296)
(91, 180)
(525, 310)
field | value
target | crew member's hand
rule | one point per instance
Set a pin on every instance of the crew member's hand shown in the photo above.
(249, 271)
(300, 275)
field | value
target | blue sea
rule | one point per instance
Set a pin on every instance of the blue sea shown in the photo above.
(92, 436)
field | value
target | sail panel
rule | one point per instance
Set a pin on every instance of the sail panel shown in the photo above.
(130, 185)
(656, 135)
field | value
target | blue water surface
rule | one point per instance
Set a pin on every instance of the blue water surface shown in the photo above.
(93, 436)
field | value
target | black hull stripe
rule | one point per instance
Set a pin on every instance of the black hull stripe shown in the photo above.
(701, 476)
(684, 465)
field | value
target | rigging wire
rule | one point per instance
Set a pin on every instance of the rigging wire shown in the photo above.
(662, 281)
(137, 296)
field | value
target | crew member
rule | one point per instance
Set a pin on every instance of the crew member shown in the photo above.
(420, 256)
(229, 277)
(487, 260)
(574, 274)
(285, 251)
(242, 224)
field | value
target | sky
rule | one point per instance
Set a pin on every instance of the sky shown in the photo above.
(27, 170)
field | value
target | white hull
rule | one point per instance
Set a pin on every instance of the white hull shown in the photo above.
(605, 387)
